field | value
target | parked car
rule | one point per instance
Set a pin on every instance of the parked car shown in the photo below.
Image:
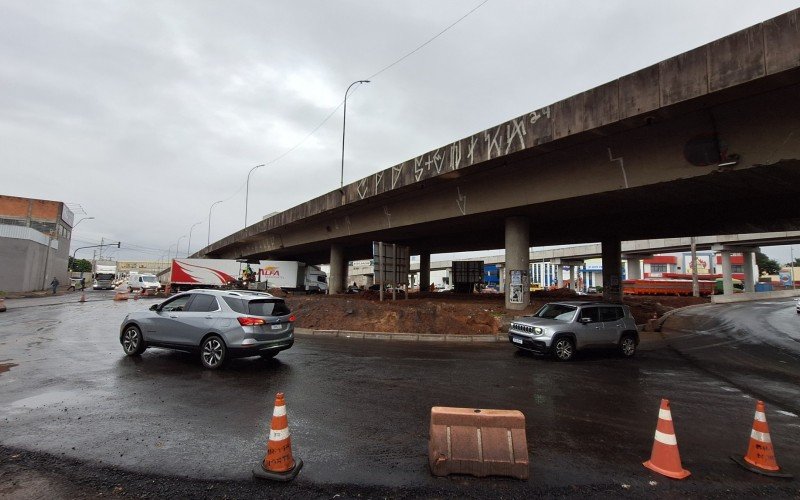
(562, 328)
(217, 324)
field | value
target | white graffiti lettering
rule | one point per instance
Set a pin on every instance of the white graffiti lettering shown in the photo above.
(461, 201)
(378, 181)
(492, 143)
(517, 131)
(455, 155)
(436, 160)
(396, 171)
(535, 115)
(363, 189)
(418, 168)
(473, 141)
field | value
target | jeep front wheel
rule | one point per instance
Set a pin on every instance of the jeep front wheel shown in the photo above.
(564, 349)
(627, 346)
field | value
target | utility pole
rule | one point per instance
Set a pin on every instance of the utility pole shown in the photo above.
(101, 249)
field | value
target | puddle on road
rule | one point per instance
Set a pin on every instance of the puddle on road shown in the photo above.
(47, 399)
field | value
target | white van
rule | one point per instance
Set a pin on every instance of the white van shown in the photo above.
(143, 281)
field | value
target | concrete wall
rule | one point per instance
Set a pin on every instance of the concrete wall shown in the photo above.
(22, 265)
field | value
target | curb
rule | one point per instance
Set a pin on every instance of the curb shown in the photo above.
(409, 337)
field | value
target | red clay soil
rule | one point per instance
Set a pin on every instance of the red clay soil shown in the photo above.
(446, 313)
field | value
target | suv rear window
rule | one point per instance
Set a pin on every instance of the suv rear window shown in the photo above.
(236, 304)
(268, 307)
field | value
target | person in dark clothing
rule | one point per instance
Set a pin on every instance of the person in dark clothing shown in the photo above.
(54, 284)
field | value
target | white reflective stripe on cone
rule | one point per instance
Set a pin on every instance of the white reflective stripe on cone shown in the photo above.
(760, 436)
(666, 438)
(279, 435)
(664, 414)
(760, 416)
(279, 411)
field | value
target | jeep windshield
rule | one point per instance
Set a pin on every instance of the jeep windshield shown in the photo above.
(559, 312)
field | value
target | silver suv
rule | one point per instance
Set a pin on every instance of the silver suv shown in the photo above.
(562, 328)
(219, 324)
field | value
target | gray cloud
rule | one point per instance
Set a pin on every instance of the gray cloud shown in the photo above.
(146, 112)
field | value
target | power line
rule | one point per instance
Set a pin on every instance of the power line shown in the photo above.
(382, 70)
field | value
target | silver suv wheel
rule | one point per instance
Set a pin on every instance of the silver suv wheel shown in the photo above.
(564, 349)
(627, 346)
(212, 352)
(132, 341)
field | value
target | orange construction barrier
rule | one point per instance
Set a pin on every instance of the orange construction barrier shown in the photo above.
(278, 464)
(665, 458)
(760, 456)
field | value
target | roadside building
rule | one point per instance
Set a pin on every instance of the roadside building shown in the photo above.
(34, 243)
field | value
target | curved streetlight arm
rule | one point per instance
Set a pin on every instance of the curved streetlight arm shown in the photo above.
(189, 245)
(81, 220)
(209, 220)
(247, 192)
(344, 123)
(178, 245)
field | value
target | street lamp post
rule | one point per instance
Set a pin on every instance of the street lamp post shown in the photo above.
(81, 220)
(209, 220)
(189, 245)
(344, 123)
(247, 192)
(178, 245)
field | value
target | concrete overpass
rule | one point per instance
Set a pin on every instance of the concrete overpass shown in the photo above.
(706, 142)
(639, 248)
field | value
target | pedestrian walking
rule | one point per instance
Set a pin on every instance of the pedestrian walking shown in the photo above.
(54, 284)
(83, 283)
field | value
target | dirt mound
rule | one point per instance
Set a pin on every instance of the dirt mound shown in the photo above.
(446, 313)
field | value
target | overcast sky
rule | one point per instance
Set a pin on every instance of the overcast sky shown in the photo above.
(144, 113)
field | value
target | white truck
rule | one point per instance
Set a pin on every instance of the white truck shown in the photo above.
(104, 276)
(227, 273)
(291, 275)
(143, 282)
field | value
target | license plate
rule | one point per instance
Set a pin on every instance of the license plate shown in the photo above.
(277, 327)
(516, 340)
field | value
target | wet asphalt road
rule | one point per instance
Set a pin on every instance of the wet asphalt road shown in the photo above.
(359, 409)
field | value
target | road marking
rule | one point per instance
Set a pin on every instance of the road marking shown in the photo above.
(787, 413)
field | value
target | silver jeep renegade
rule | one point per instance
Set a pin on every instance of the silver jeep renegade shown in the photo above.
(562, 328)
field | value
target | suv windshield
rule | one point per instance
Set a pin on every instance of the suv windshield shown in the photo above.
(558, 312)
(149, 279)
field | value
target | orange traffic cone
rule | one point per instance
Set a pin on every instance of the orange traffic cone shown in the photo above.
(83, 297)
(665, 458)
(278, 464)
(760, 456)
(2, 305)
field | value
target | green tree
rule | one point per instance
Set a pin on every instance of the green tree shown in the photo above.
(79, 265)
(766, 265)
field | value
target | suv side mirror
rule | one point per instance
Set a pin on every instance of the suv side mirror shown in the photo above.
(155, 307)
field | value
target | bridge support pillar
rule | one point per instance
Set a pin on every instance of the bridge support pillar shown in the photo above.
(424, 271)
(612, 270)
(338, 270)
(517, 281)
(634, 268)
(572, 284)
(727, 274)
(749, 273)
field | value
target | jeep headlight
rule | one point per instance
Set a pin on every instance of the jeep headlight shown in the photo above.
(538, 331)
